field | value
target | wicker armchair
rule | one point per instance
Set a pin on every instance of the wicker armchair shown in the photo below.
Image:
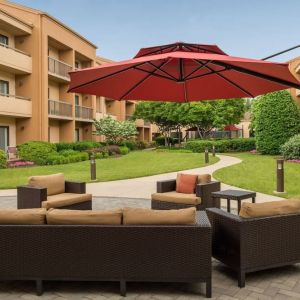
(249, 245)
(203, 193)
(70, 195)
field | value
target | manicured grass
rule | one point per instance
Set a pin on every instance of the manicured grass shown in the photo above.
(258, 173)
(135, 164)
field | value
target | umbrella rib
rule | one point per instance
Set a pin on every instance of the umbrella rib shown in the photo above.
(104, 77)
(232, 82)
(161, 49)
(206, 74)
(197, 69)
(159, 69)
(257, 74)
(141, 81)
(153, 74)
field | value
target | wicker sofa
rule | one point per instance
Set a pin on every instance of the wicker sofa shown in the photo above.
(249, 245)
(166, 196)
(53, 191)
(121, 253)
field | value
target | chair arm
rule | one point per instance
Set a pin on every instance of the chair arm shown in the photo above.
(166, 186)
(75, 187)
(204, 191)
(31, 197)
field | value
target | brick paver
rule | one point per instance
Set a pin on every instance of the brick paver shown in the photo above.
(281, 283)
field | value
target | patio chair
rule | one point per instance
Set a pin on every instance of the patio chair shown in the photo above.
(12, 153)
(52, 191)
(253, 244)
(166, 196)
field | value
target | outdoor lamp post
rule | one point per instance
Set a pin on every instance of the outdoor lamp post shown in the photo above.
(280, 175)
(213, 151)
(206, 156)
(93, 167)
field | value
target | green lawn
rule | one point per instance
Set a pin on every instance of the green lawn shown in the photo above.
(135, 164)
(258, 173)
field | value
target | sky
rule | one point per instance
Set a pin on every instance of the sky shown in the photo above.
(245, 28)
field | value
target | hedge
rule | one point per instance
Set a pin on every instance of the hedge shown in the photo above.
(291, 149)
(2, 159)
(124, 150)
(221, 146)
(78, 146)
(36, 151)
(275, 119)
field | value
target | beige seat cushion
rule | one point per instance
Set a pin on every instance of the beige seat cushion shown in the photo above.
(145, 216)
(254, 210)
(54, 183)
(84, 217)
(65, 199)
(32, 216)
(175, 197)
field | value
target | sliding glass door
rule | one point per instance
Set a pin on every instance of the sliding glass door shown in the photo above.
(4, 137)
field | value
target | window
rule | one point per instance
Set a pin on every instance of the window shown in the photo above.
(76, 99)
(77, 64)
(3, 39)
(4, 88)
(4, 137)
(77, 135)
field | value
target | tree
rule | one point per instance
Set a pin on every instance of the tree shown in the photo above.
(204, 115)
(275, 118)
(115, 131)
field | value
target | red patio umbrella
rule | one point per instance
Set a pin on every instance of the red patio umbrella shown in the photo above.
(182, 72)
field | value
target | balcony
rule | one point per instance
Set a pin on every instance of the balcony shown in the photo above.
(58, 70)
(15, 106)
(60, 110)
(83, 113)
(14, 61)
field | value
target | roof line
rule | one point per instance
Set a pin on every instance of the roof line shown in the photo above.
(42, 13)
(16, 18)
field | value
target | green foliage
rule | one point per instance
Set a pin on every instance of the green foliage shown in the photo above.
(204, 115)
(221, 146)
(3, 159)
(124, 150)
(66, 157)
(161, 140)
(111, 149)
(275, 118)
(131, 145)
(115, 131)
(36, 151)
(77, 146)
(291, 149)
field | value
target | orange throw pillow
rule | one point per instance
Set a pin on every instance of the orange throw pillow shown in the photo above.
(186, 183)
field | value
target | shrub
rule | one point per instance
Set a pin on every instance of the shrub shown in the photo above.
(291, 149)
(275, 119)
(160, 140)
(111, 149)
(36, 151)
(221, 146)
(131, 145)
(59, 159)
(3, 162)
(124, 150)
(68, 152)
(77, 146)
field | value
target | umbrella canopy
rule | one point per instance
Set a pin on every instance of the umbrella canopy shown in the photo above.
(182, 72)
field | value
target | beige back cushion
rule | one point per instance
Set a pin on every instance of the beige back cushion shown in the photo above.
(54, 183)
(84, 217)
(32, 216)
(144, 216)
(204, 178)
(265, 209)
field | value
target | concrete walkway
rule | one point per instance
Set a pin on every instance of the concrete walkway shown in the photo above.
(143, 187)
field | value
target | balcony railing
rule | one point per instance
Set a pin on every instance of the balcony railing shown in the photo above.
(14, 49)
(58, 67)
(83, 112)
(14, 97)
(59, 108)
